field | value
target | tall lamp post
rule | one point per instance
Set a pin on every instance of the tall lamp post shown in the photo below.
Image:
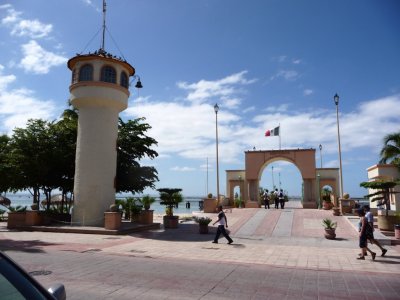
(273, 183)
(320, 153)
(216, 109)
(336, 99)
(318, 191)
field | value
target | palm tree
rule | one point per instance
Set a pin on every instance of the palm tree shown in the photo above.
(170, 198)
(390, 153)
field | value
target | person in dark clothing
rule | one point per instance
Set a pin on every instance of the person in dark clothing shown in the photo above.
(222, 222)
(266, 199)
(282, 199)
(276, 198)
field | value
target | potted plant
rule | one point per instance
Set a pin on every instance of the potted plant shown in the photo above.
(326, 197)
(134, 208)
(336, 211)
(146, 215)
(147, 201)
(124, 204)
(203, 224)
(383, 190)
(170, 198)
(330, 228)
(237, 202)
(113, 218)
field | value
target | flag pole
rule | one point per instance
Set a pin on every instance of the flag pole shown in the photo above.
(279, 136)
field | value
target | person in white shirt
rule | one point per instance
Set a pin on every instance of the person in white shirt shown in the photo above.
(370, 218)
(222, 222)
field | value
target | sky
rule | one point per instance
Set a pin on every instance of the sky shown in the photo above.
(266, 63)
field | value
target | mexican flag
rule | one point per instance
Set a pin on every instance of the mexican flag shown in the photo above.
(272, 132)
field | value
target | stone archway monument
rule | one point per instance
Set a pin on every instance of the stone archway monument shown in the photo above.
(255, 162)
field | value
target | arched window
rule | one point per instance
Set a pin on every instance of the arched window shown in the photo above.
(74, 79)
(108, 74)
(86, 73)
(124, 80)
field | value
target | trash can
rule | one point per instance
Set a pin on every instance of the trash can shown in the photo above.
(397, 231)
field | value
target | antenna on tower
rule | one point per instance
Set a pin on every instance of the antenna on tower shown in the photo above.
(104, 24)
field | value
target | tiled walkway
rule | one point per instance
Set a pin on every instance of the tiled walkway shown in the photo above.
(276, 254)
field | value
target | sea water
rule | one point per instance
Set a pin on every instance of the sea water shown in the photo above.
(26, 199)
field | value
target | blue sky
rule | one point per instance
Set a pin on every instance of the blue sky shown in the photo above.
(264, 62)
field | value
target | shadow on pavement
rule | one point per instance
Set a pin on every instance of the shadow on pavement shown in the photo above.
(33, 246)
(186, 232)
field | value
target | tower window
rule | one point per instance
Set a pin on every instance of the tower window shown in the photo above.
(108, 74)
(86, 73)
(124, 80)
(74, 79)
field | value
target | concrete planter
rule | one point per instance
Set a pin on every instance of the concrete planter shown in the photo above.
(327, 205)
(170, 221)
(203, 228)
(50, 218)
(387, 222)
(34, 218)
(336, 211)
(210, 205)
(112, 220)
(16, 219)
(146, 217)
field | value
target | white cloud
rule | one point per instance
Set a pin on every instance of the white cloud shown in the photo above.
(224, 88)
(37, 60)
(296, 61)
(188, 130)
(286, 74)
(12, 15)
(280, 108)
(308, 92)
(24, 27)
(19, 105)
(5, 80)
(183, 169)
(31, 28)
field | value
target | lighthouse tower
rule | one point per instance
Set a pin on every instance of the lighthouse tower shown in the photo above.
(99, 90)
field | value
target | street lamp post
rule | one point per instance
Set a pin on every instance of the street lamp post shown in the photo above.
(320, 153)
(216, 108)
(273, 183)
(318, 191)
(336, 99)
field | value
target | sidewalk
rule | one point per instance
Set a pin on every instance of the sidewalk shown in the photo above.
(291, 237)
(287, 242)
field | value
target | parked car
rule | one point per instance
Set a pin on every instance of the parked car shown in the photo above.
(16, 283)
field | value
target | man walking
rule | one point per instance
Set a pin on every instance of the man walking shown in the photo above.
(370, 220)
(222, 222)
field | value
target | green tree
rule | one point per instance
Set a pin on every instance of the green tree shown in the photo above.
(133, 145)
(65, 133)
(6, 171)
(170, 198)
(383, 191)
(32, 156)
(390, 152)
